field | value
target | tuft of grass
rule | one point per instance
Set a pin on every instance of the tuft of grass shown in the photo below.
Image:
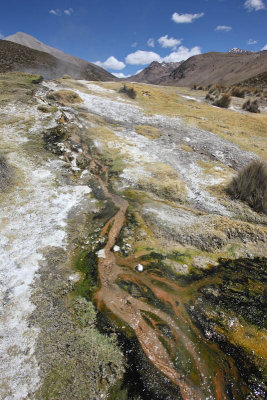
(46, 109)
(250, 185)
(224, 101)
(65, 97)
(130, 92)
(251, 106)
(238, 92)
(209, 97)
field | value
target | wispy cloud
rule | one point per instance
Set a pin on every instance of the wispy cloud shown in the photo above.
(254, 5)
(185, 18)
(141, 57)
(134, 44)
(223, 28)
(1, 36)
(252, 41)
(59, 13)
(69, 11)
(55, 12)
(165, 41)
(111, 63)
(264, 47)
(151, 42)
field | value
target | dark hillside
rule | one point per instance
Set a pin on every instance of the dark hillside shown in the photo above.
(16, 57)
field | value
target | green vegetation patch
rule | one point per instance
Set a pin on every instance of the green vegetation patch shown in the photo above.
(18, 87)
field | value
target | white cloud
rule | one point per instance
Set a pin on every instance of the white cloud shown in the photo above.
(151, 42)
(69, 11)
(55, 12)
(223, 28)
(182, 54)
(134, 44)
(252, 41)
(1, 36)
(111, 63)
(185, 18)
(141, 57)
(264, 47)
(164, 41)
(120, 75)
(254, 5)
(138, 72)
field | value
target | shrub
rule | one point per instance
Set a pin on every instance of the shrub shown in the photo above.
(130, 92)
(250, 185)
(224, 101)
(209, 97)
(251, 106)
(37, 79)
(237, 92)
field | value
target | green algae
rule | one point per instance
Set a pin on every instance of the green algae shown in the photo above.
(87, 265)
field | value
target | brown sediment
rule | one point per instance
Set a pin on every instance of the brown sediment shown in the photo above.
(210, 371)
(196, 385)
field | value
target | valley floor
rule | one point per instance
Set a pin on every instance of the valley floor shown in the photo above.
(179, 299)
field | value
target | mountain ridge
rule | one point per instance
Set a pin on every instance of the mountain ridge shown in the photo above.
(209, 68)
(71, 65)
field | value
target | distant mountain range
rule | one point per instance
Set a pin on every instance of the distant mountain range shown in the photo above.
(223, 68)
(22, 52)
(236, 50)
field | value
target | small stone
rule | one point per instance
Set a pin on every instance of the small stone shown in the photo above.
(116, 248)
(140, 268)
(101, 253)
(74, 277)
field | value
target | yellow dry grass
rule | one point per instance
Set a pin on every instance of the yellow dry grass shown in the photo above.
(163, 181)
(65, 97)
(216, 170)
(186, 147)
(249, 131)
(149, 132)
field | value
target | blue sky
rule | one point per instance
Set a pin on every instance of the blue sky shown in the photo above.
(124, 36)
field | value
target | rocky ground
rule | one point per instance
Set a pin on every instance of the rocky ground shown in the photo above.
(93, 169)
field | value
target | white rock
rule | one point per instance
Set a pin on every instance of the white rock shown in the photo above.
(116, 248)
(140, 268)
(101, 253)
(74, 277)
